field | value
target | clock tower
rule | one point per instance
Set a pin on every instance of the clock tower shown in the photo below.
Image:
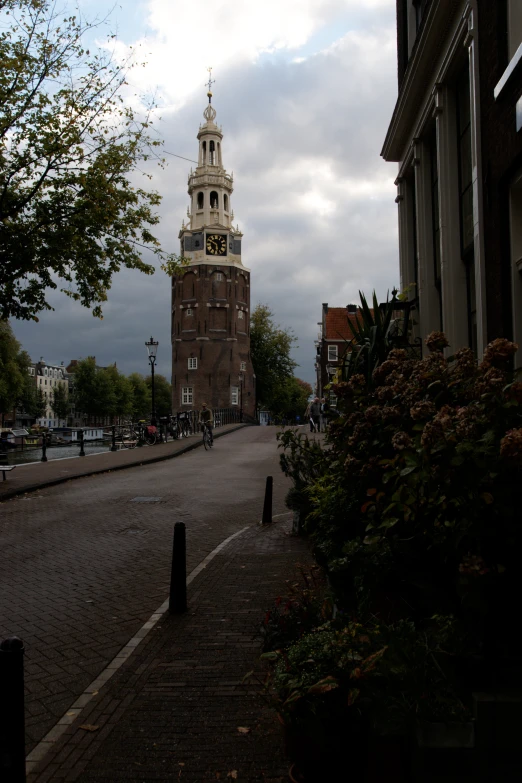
(211, 296)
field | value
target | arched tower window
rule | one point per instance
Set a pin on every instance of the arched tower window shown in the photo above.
(189, 285)
(214, 198)
(200, 200)
(218, 285)
(225, 202)
(219, 155)
(204, 152)
(212, 153)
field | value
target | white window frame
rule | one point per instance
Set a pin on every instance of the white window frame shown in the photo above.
(240, 315)
(187, 395)
(234, 395)
(242, 367)
(192, 363)
(333, 400)
(333, 353)
(219, 277)
(189, 311)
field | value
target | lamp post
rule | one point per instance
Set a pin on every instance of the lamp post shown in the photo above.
(399, 329)
(152, 348)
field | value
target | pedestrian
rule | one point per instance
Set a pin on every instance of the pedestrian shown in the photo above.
(315, 415)
(325, 407)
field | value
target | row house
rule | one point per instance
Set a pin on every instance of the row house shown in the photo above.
(456, 134)
(333, 344)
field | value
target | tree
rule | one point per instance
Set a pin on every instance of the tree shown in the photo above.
(270, 347)
(60, 401)
(32, 401)
(120, 399)
(70, 215)
(141, 399)
(162, 394)
(14, 363)
(291, 398)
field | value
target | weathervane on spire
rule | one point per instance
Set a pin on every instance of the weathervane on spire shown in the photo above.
(210, 113)
(210, 83)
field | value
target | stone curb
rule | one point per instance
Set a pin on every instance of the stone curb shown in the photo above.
(61, 480)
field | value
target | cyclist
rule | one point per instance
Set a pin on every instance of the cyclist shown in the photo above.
(206, 419)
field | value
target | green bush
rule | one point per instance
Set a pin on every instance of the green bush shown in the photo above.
(414, 506)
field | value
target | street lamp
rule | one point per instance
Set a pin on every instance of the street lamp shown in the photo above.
(152, 348)
(241, 378)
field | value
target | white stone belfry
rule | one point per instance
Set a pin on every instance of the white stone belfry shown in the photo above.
(210, 189)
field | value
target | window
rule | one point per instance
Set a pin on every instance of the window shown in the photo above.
(186, 395)
(200, 200)
(466, 199)
(514, 9)
(234, 395)
(515, 210)
(189, 311)
(192, 363)
(45, 371)
(242, 367)
(420, 10)
(435, 220)
(240, 315)
(219, 277)
(333, 400)
(332, 353)
(45, 381)
(214, 200)
(212, 153)
(225, 202)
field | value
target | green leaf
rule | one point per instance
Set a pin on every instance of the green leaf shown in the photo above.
(407, 471)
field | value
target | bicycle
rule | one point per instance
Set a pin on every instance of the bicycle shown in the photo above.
(148, 433)
(208, 440)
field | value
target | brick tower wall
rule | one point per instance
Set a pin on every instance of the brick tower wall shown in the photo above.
(211, 323)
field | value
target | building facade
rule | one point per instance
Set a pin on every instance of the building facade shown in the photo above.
(47, 378)
(456, 133)
(211, 296)
(333, 344)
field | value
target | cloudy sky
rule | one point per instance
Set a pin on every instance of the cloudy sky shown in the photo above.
(304, 92)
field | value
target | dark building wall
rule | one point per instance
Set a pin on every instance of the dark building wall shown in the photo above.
(501, 157)
(214, 334)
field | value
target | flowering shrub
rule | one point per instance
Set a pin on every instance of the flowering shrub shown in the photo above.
(305, 606)
(417, 509)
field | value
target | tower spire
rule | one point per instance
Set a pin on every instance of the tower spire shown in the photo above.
(210, 82)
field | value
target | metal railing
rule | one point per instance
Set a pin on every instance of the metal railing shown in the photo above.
(183, 423)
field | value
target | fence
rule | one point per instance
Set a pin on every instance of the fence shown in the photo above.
(114, 434)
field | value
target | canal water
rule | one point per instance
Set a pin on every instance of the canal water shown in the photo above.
(55, 452)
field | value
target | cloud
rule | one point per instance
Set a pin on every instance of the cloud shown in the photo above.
(303, 127)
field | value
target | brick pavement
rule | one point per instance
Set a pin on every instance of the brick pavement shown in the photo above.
(34, 476)
(83, 566)
(172, 712)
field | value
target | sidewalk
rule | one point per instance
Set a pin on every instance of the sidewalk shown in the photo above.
(28, 478)
(177, 709)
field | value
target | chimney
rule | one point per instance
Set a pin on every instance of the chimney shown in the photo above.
(352, 308)
(325, 307)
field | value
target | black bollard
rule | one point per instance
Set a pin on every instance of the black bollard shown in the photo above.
(267, 507)
(44, 448)
(82, 451)
(12, 726)
(178, 574)
(114, 447)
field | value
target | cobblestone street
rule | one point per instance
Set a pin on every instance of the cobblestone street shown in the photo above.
(84, 564)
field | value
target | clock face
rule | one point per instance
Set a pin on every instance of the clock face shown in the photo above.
(216, 245)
